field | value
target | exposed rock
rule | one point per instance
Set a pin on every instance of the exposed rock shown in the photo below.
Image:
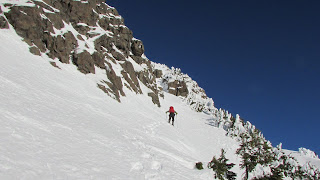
(99, 59)
(54, 65)
(157, 73)
(103, 41)
(137, 47)
(84, 62)
(105, 89)
(61, 47)
(24, 23)
(133, 81)
(58, 29)
(126, 33)
(117, 55)
(57, 22)
(122, 45)
(116, 83)
(178, 88)
(138, 59)
(34, 50)
(82, 29)
(155, 98)
(3, 22)
(104, 23)
(70, 42)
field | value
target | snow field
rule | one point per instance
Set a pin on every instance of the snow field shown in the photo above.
(56, 124)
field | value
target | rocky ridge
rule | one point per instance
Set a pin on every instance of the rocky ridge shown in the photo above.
(91, 35)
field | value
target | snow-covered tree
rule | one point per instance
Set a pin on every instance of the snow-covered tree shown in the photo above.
(254, 150)
(221, 168)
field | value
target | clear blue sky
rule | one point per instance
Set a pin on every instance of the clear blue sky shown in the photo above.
(259, 59)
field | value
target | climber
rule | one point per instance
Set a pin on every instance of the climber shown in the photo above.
(172, 113)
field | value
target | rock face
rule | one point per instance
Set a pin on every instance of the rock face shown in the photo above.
(3, 22)
(179, 88)
(89, 34)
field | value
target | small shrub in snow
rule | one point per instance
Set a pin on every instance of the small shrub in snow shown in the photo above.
(199, 165)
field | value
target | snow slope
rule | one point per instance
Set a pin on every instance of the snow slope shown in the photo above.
(56, 124)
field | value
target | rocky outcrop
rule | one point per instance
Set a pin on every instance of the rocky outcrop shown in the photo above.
(178, 88)
(61, 46)
(84, 61)
(155, 98)
(66, 29)
(90, 35)
(130, 76)
(158, 73)
(137, 48)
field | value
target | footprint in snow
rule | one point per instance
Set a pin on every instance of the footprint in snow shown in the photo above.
(137, 166)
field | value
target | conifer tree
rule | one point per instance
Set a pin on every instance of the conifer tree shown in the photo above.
(221, 168)
(254, 150)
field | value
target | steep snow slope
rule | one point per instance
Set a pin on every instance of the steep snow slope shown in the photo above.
(56, 124)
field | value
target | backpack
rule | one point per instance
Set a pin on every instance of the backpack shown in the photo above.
(171, 110)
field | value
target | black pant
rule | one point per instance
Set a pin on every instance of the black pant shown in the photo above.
(171, 116)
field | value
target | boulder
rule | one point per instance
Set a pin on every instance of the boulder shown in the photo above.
(137, 48)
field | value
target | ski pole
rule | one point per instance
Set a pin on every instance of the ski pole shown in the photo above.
(177, 121)
(166, 117)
